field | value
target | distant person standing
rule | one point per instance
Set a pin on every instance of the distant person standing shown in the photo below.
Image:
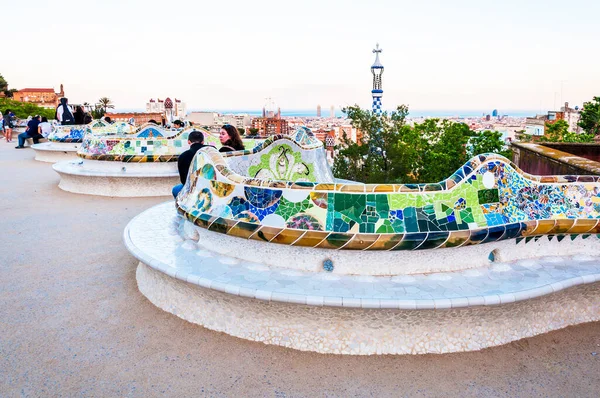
(79, 114)
(8, 124)
(64, 113)
(30, 132)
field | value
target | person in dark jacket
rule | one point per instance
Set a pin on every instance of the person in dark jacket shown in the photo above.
(79, 114)
(196, 141)
(31, 132)
(63, 113)
(230, 138)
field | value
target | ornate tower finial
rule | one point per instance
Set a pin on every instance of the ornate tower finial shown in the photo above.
(377, 71)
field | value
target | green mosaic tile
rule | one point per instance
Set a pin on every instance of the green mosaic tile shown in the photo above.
(386, 228)
(488, 196)
(466, 215)
(283, 163)
(286, 209)
(352, 206)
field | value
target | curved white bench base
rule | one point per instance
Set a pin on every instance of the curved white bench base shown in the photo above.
(117, 178)
(53, 152)
(344, 314)
(368, 331)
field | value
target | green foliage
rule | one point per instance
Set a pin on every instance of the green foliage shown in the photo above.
(559, 132)
(104, 104)
(590, 117)
(556, 131)
(3, 83)
(382, 154)
(98, 112)
(488, 142)
(241, 130)
(391, 151)
(4, 88)
(10, 93)
(22, 110)
(252, 131)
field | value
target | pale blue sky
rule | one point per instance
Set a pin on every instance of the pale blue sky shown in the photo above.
(459, 54)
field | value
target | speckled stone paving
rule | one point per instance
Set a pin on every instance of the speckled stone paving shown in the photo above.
(153, 238)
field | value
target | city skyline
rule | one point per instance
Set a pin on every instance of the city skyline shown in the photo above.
(462, 56)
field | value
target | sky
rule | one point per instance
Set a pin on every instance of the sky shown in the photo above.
(438, 55)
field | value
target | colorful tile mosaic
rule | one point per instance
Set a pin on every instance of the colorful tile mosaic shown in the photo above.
(487, 200)
(149, 143)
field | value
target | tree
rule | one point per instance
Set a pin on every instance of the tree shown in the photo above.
(22, 110)
(384, 152)
(589, 119)
(391, 151)
(4, 88)
(488, 142)
(105, 103)
(98, 112)
(252, 131)
(241, 130)
(556, 131)
(3, 84)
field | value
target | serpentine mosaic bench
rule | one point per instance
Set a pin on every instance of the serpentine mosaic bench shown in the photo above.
(63, 142)
(142, 163)
(267, 245)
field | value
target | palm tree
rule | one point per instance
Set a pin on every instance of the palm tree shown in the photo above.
(105, 103)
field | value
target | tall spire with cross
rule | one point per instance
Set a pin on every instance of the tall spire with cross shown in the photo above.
(377, 71)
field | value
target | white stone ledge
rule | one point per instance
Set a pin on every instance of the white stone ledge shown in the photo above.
(53, 152)
(105, 178)
(150, 239)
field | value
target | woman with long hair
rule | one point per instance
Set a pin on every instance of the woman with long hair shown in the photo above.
(230, 139)
(79, 114)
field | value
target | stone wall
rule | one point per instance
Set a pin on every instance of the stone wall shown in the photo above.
(552, 159)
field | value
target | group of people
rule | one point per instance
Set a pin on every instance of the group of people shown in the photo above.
(38, 127)
(65, 115)
(230, 141)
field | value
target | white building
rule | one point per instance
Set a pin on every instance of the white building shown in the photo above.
(203, 118)
(535, 126)
(214, 121)
(571, 116)
(172, 109)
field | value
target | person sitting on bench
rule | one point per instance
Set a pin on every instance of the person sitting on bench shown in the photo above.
(31, 132)
(196, 141)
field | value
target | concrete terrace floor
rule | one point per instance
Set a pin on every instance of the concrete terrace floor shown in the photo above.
(73, 323)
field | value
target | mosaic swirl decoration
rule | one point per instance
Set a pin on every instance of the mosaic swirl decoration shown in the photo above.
(74, 133)
(488, 199)
(150, 143)
(117, 128)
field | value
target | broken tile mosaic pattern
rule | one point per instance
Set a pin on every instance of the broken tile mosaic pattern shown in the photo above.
(274, 188)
